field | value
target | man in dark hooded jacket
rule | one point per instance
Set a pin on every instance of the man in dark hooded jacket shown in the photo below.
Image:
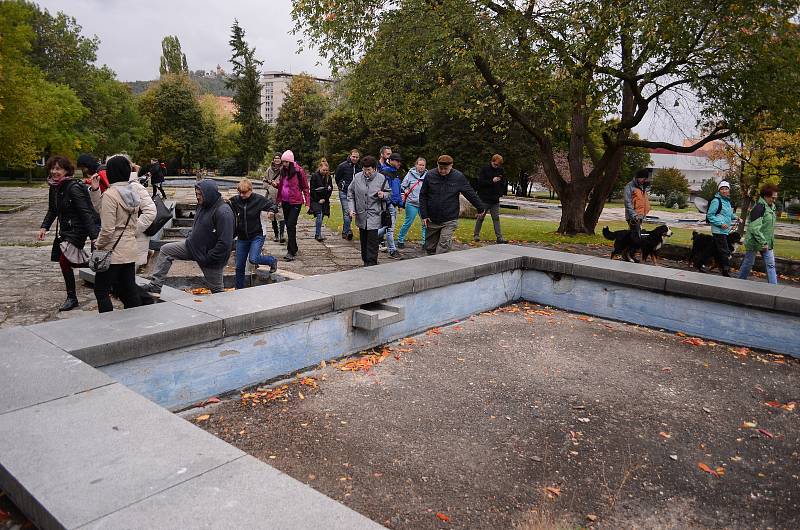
(209, 243)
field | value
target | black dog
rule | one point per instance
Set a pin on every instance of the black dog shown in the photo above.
(649, 243)
(703, 245)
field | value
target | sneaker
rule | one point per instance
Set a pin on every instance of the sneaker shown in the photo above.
(476, 239)
(400, 244)
(152, 289)
(288, 257)
(382, 247)
(350, 236)
(274, 267)
(502, 241)
(344, 235)
(394, 255)
(319, 238)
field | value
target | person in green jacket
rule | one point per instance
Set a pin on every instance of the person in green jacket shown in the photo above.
(760, 235)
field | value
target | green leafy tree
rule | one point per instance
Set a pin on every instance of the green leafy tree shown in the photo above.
(635, 158)
(300, 119)
(37, 117)
(177, 128)
(708, 189)
(245, 83)
(559, 69)
(227, 132)
(173, 60)
(669, 180)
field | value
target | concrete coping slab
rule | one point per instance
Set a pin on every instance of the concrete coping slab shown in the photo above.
(33, 371)
(117, 336)
(543, 259)
(788, 300)
(260, 307)
(168, 294)
(626, 273)
(721, 289)
(356, 287)
(485, 260)
(74, 460)
(218, 499)
(425, 273)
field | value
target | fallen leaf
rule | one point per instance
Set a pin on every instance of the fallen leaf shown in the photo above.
(309, 382)
(681, 334)
(198, 300)
(553, 490)
(789, 407)
(591, 517)
(666, 369)
(694, 341)
(322, 364)
(665, 435)
(586, 319)
(408, 341)
(707, 469)
(749, 425)
(766, 433)
(736, 459)
(434, 331)
(457, 328)
(720, 471)
(300, 395)
(200, 290)
(442, 517)
(203, 417)
(774, 404)
(740, 351)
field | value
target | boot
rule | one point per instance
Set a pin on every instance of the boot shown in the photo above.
(726, 271)
(70, 303)
(282, 228)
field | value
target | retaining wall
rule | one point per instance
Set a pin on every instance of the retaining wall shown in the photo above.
(84, 448)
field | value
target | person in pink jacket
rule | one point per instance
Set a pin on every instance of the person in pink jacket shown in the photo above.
(293, 193)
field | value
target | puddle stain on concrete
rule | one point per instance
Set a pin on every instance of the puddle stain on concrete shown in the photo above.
(226, 353)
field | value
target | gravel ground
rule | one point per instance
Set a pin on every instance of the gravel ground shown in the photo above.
(519, 419)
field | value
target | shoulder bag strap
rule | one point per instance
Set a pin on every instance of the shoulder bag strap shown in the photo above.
(122, 233)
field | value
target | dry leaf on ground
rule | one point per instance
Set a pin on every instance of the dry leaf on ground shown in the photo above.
(707, 469)
(442, 517)
(203, 417)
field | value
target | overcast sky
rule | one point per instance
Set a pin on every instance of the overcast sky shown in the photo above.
(130, 33)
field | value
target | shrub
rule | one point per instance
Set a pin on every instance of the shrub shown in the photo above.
(676, 200)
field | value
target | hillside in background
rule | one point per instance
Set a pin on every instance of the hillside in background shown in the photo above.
(209, 82)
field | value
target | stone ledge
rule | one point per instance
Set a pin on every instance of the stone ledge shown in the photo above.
(33, 371)
(788, 300)
(635, 274)
(168, 294)
(120, 335)
(278, 501)
(74, 460)
(356, 287)
(544, 259)
(721, 289)
(485, 260)
(425, 273)
(260, 307)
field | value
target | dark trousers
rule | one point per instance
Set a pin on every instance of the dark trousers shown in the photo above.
(69, 276)
(156, 188)
(636, 232)
(369, 246)
(122, 278)
(290, 214)
(720, 251)
(277, 227)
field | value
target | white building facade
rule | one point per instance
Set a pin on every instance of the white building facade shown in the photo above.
(274, 88)
(697, 167)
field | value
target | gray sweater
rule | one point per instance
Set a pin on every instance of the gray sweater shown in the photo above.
(362, 200)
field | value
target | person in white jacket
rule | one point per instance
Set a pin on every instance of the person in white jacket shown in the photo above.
(147, 211)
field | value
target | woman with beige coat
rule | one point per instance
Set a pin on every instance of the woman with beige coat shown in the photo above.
(119, 216)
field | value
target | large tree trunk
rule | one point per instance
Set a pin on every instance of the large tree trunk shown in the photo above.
(602, 190)
(573, 204)
(746, 204)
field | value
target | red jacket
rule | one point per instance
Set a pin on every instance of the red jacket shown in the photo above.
(103, 180)
(298, 191)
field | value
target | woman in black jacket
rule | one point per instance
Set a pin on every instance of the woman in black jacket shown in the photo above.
(69, 203)
(321, 190)
(247, 207)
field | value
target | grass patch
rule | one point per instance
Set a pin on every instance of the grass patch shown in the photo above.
(544, 232)
(22, 184)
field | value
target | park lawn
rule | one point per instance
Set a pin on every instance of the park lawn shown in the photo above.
(544, 232)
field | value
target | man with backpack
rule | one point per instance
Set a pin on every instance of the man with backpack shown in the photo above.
(209, 243)
(390, 170)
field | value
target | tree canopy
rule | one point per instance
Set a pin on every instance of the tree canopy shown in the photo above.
(300, 120)
(173, 60)
(560, 70)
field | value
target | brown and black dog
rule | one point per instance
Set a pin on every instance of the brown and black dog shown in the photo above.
(703, 244)
(650, 243)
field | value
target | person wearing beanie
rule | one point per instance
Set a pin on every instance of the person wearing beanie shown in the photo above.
(70, 207)
(209, 243)
(120, 210)
(90, 167)
(293, 193)
(271, 179)
(439, 205)
(721, 216)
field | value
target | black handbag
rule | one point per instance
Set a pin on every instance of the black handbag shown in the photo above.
(55, 251)
(386, 215)
(163, 215)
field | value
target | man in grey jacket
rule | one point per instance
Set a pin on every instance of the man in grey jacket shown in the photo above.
(367, 196)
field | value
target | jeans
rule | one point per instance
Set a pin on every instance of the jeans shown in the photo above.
(290, 214)
(494, 210)
(346, 220)
(440, 236)
(411, 214)
(769, 264)
(122, 278)
(250, 250)
(178, 251)
(369, 246)
(318, 225)
(389, 233)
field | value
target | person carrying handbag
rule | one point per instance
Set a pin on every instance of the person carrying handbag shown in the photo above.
(410, 187)
(366, 204)
(116, 244)
(70, 207)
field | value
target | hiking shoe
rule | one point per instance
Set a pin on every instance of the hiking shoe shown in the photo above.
(273, 268)
(70, 303)
(152, 289)
(502, 241)
(283, 239)
(394, 255)
(400, 244)
(288, 257)
(319, 238)
(276, 239)
(344, 235)
(476, 239)
(382, 247)
(350, 236)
